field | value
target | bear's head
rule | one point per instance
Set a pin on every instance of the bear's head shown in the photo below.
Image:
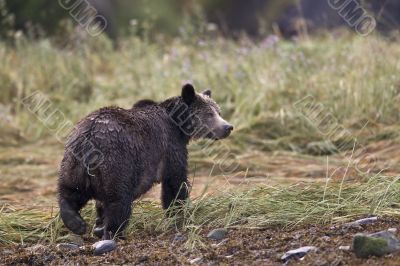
(203, 115)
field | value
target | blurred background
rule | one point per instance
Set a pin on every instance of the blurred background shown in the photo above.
(170, 17)
(146, 49)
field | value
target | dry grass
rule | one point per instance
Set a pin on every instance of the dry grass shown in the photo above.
(354, 79)
(260, 207)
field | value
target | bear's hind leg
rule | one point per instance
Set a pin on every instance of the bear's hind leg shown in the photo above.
(116, 218)
(71, 201)
(99, 229)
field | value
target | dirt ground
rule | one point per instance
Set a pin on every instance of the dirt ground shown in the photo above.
(28, 177)
(241, 247)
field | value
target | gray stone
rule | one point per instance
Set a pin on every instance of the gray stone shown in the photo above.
(218, 234)
(179, 237)
(67, 247)
(345, 248)
(368, 220)
(358, 223)
(297, 253)
(104, 246)
(195, 261)
(393, 242)
(36, 248)
(376, 244)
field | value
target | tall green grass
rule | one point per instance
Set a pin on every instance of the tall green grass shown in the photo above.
(260, 207)
(355, 79)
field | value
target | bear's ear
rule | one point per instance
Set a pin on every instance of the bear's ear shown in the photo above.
(207, 93)
(188, 94)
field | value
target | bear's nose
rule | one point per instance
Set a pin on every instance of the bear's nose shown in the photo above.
(229, 128)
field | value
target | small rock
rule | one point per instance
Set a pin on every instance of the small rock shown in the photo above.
(195, 261)
(368, 220)
(67, 247)
(392, 230)
(325, 238)
(7, 252)
(143, 259)
(220, 243)
(365, 246)
(344, 248)
(104, 246)
(358, 223)
(36, 248)
(179, 237)
(75, 239)
(377, 244)
(297, 253)
(393, 242)
(218, 234)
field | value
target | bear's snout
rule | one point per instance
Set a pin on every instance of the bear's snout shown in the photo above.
(228, 129)
(224, 131)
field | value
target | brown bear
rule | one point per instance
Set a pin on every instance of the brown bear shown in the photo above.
(115, 155)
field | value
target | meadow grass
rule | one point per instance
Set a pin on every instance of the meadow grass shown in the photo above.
(260, 207)
(354, 79)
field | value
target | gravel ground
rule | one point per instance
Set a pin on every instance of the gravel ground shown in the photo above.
(241, 247)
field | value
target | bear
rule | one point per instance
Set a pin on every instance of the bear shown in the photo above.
(115, 155)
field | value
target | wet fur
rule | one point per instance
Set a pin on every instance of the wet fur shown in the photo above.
(141, 146)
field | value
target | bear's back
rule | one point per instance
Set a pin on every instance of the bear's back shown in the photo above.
(114, 129)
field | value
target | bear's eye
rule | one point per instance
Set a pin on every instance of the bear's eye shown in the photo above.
(209, 115)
